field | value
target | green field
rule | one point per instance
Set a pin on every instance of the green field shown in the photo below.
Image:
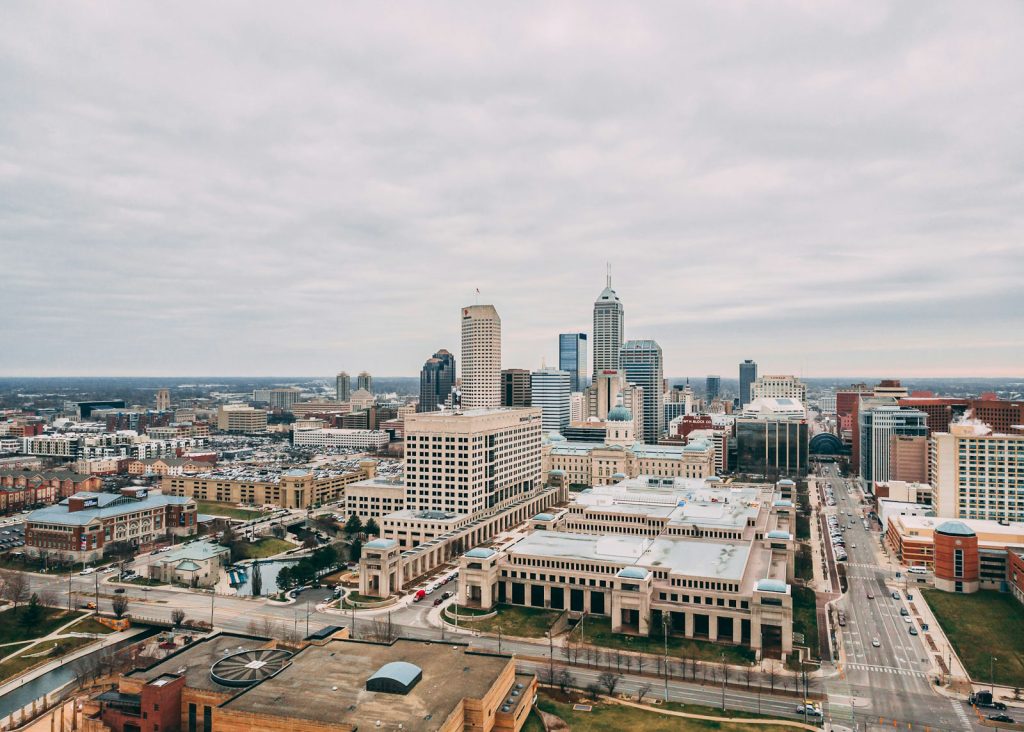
(40, 654)
(263, 548)
(525, 622)
(980, 626)
(89, 625)
(614, 718)
(597, 632)
(230, 510)
(12, 629)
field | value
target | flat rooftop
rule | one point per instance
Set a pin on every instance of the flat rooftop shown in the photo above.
(328, 684)
(678, 555)
(194, 661)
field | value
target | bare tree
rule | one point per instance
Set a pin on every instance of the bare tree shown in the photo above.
(640, 660)
(119, 606)
(772, 674)
(14, 586)
(748, 672)
(643, 691)
(177, 617)
(564, 680)
(382, 630)
(567, 651)
(48, 597)
(609, 681)
(594, 689)
(724, 671)
(618, 660)
(548, 675)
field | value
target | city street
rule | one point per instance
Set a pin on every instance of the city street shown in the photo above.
(894, 681)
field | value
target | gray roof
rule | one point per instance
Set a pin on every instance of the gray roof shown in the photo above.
(954, 528)
(108, 505)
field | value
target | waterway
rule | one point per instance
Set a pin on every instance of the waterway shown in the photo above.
(268, 574)
(51, 680)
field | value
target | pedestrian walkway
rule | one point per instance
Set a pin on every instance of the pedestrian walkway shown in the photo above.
(887, 670)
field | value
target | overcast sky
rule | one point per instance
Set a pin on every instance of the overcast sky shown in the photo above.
(297, 188)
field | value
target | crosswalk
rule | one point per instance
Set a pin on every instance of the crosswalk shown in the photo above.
(961, 714)
(887, 670)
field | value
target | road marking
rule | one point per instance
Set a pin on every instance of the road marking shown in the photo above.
(959, 709)
(887, 670)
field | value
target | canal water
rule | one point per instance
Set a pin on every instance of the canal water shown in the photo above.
(268, 574)
(51, 680)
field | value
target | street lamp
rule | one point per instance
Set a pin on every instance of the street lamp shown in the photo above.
(991, 674)
(664, 626)
(723, 681)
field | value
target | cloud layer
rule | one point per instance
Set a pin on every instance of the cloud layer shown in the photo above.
(258, 189)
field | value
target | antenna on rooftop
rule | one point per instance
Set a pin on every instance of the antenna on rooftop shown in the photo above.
(608, 276)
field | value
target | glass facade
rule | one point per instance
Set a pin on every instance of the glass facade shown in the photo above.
(771, 447)
(572, 357)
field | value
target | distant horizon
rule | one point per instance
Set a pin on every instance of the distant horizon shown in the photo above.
(285, 377)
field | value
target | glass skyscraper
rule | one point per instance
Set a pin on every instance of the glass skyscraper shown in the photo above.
(748, 375)
(572, 357)
(642, 362)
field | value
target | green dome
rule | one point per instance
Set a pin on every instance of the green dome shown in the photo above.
(619, 413)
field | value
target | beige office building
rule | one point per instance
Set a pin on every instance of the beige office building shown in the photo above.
(908, 458)
(976, 474)
(241, 418)
(469, 461)
(481, 357)
(779, 387)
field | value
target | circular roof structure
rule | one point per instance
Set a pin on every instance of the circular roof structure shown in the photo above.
(619, 413)
(825, 443)
(246, 668)
(954, 528)
(397, 677)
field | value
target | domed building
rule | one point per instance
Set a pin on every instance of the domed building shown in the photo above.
(619, 427)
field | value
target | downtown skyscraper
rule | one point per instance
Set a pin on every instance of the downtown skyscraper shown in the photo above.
(608, 329)
(550, 390)
(481, 357)
(437, 377)
(642, 362)
(572, 357)
(748, 374)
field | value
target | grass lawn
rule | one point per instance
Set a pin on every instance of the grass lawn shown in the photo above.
(614, 718)
(525, 622)
(89, 625)
(48, 650)
(982, 625)
(464, 611)
(805, 617)
(265, 547)
(216, 508)
(11, 628)
(27, 564)
(805, 563)
(597, 631)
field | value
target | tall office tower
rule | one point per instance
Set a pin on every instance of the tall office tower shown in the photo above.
(481, 357)
(500, 447)
(641, 360)
(515, 388)
(550, 389)
(748, 373)
(713, 387)
(437, 377)
(608, 329)
(877, 425)
(364, 381)
(572, 357)
(976, 473)
(576, 409)
(163, 399)
(608, 389)
(284, 398)
(779, 387)
(342, 386)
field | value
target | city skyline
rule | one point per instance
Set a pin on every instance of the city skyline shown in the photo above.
(778, 196)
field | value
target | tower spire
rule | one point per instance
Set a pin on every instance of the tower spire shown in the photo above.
(608, 276)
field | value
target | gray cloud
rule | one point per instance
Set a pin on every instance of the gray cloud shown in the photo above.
(827, 187)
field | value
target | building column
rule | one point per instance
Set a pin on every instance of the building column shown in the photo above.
(547, 595)
(688, 623)
(712, 626)
(737, 630)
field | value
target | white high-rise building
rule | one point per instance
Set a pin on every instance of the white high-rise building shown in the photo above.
(551, 389)
(977, 474)
(779, 387)
(576, 406)
(608, 329)
(481, 357)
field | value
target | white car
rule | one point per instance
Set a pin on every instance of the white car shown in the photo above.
(875, 642)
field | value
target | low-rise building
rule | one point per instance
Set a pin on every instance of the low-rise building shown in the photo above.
(197, 564)
(294, 488)
(166, 466)
(21, 489)
(374, 498)
(80, 526)
(241, 418)
(588, 463)
(237, 683)
(355, 438)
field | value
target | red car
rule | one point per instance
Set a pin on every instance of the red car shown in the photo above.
(420, 594)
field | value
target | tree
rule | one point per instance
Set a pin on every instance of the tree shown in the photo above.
(748, 673)
(310, 542)
(278, 531)
(643, 691)
(355, 550)
(177, 617)
(119, 606)
(564, 680)
(609, 681)
(257, 580)
(771, 676)
(353, 526)
(618, 659)
(284, 578)
(33, 611)
(15, 587)
(594, 689)
(371, 528)
(640, 663)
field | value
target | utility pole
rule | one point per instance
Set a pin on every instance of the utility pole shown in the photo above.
(723, 682)
(499, 639)
(991, 675)
(664, 627)
(213, 596)
(551, 657)
(69, 592)
(97, 578)
(307, 618)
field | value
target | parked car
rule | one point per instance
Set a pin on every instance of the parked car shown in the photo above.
(810, 709)
(118, 590)
(913, 630)
(438, 601)
(1001, 718)
(895, 596)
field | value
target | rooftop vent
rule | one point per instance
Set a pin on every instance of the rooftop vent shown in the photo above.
(246, 668)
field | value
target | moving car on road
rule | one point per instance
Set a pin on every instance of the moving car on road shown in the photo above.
(875, 642)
